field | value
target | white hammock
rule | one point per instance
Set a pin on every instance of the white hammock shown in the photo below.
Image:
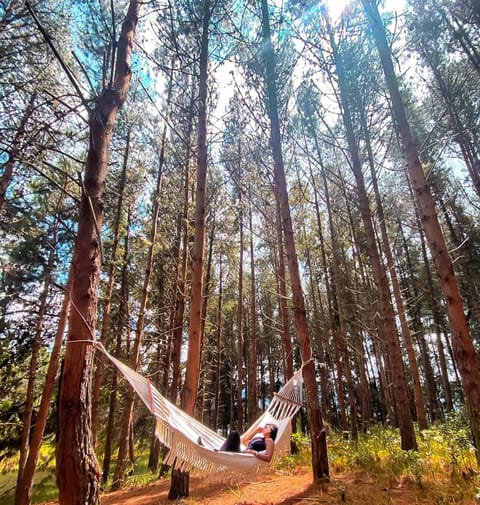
(181, 432)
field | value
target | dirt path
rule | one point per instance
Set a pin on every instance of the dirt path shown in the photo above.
(276, 489)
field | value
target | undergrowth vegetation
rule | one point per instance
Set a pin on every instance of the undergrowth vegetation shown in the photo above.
(445, 459)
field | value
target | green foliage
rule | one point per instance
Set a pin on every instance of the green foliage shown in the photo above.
(445, 450)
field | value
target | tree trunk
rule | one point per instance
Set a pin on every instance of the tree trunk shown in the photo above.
(317, 433)
(135, 357)
(32, 371)
(122, 323)
(23, 494)
(252, 392)
(464, 352)
(407, 336)
(414, 308)
(78, 472)
(14, 150)
(394, 353)
(240, 308)
(98, 376)
(181, 288)
(179, 486)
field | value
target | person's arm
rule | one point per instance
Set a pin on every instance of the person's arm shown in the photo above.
(268, 454)
(248, 436)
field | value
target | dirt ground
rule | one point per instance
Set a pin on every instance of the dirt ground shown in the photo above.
(297, 489)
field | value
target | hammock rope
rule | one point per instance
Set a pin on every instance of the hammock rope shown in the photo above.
(181, 432)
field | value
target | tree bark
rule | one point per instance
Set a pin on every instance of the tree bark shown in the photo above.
(317, 433)
(122, 323)
(179, 486)
(78, 472)
(98, 376)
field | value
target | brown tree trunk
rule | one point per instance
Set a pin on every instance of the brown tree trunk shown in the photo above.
(181, 288)
(127, 418)
(463, 349)
(240, 325)
(179, 486)
(252, 392)
(317, 433)
(323, 346)
(413, 295)
(23, 494)
(394, 353)
(287, 352)
(219, 345)
(32, 371)
(98, 376)
(123, 317)
(338, 321)
(407, 336)
(78, 474)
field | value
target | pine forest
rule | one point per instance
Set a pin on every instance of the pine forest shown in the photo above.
(220, 193)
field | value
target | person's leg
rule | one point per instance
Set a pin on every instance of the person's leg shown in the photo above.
(232, 442)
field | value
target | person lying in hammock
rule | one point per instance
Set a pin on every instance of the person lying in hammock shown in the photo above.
(261, 443)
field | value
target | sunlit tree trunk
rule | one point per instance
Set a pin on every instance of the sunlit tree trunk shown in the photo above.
(464, 352)
(179, 486)
(317, 433)
(78, 474)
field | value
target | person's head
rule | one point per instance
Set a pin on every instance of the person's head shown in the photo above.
(271, 430)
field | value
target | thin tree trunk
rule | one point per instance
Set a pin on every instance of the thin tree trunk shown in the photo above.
(219, 345)
(14, 150)
(287, 351)
(414, 308)
(78, 474)
(23, 494)
(98, 376)
(32, 371)
(252, 392)
(394, 354)
(240, 325)
(317, 433)
(407, 336)
(181, 288)
(123, 318)
(179, 486)
(125, 436)
(463, 349)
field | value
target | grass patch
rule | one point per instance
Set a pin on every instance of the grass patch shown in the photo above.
(444, 466)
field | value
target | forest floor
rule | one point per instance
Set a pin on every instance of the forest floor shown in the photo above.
(298, 489)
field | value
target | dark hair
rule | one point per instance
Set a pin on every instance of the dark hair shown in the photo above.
(273, 430)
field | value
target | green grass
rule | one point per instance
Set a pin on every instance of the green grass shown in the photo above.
(445, 460)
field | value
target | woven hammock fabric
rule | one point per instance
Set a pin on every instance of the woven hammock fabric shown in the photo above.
(181, 432)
